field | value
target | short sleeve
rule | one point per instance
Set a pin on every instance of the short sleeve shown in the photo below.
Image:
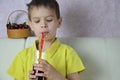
(16, 68)
(74, 63)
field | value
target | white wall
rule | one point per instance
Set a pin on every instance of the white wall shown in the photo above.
(81, 18)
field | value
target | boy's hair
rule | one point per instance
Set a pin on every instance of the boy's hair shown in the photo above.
(52, 4)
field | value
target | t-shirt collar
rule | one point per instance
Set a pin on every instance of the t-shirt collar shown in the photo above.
(51, 50)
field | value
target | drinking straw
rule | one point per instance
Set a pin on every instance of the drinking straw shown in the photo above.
(41, 46)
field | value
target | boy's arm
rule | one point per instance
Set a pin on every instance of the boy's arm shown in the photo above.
(73, 76)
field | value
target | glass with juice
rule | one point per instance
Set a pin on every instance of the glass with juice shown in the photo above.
(39, 55)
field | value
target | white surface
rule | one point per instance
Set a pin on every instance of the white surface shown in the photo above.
(114, 58)
(8, 50)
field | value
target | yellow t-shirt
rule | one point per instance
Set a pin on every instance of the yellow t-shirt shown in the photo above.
(62, 57)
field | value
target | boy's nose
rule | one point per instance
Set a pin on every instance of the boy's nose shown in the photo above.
(43, 25)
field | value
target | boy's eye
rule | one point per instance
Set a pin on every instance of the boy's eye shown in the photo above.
(37, 21)
(49, 20)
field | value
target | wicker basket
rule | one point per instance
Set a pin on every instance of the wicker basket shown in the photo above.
(17, 33)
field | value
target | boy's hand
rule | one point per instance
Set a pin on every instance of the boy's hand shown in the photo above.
(32, 76)
(48, 71)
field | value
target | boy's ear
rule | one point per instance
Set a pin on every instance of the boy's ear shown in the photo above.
(59, 21)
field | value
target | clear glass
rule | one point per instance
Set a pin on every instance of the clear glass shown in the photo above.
(35, 60)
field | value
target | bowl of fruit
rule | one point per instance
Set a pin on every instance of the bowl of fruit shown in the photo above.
(15, 29)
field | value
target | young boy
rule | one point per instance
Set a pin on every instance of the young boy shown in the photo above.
(61, 61)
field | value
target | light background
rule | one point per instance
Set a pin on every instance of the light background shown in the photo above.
(81, 18)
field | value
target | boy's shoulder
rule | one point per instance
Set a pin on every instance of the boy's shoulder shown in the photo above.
(66, 46)
(25, 51)
(28, 50)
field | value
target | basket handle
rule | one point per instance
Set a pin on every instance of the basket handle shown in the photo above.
(14, 12)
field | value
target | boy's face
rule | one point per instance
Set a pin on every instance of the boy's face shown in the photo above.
(44, 20)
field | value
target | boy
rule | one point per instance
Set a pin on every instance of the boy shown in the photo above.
(61, 61)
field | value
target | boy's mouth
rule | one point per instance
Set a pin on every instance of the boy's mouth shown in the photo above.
(45, 33)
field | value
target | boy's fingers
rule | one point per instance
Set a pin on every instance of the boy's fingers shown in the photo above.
(38, 65)
(31, 72)
(31, 75)
(42, 60)
(39, 74)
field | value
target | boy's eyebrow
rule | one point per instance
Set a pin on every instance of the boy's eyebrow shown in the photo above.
(35, 18)
(45, 17)
(50, 16)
